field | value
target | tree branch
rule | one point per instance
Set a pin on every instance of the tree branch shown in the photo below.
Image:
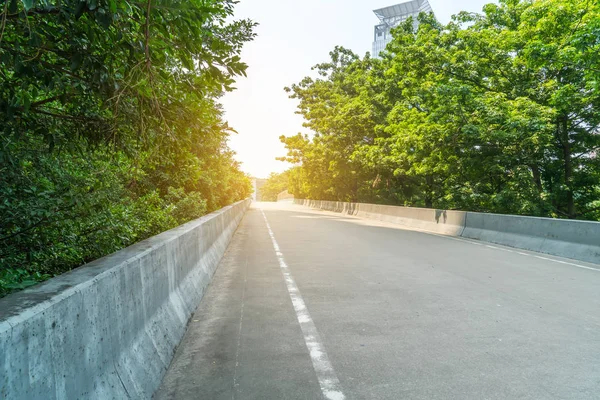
(147, 33)
(588, 211)
(45, 101)
(41, 11)
(46, 64)
(69, 117)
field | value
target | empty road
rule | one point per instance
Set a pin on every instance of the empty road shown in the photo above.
(315, 305)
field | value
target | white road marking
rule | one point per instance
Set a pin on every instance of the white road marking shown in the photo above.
(515, 252)
(576, 265)
(328, 380)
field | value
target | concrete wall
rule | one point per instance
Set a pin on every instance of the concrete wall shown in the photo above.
(109, 329)
(440, 221)
(285, 196)
(579, 240)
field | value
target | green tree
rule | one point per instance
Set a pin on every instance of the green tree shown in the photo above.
(275, 184)
(494, 112)
(110, 129)
(342, 109)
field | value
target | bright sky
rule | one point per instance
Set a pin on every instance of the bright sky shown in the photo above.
(293, 36)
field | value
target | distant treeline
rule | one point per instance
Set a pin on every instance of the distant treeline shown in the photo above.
(276, 184)
(494, 112)
(110, 128)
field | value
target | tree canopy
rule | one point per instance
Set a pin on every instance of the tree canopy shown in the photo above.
(111, 129)
(275, 185)
(494, 112)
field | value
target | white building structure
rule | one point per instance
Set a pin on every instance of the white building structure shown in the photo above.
(392, 16)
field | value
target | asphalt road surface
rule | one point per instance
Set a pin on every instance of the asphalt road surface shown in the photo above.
(315, 305)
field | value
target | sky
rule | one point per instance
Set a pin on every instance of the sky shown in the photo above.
(293, 36)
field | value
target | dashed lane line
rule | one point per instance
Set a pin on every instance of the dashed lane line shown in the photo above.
(328, 380)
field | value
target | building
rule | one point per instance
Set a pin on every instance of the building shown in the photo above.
(257, 184)
(391, 17)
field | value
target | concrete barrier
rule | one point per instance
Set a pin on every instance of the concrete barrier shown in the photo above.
(109, 329)
(440, 221)
(579, 240)
(285, 196)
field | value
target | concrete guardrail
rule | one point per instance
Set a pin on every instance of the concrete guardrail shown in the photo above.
(285, 196)
(109, 329)
(578, 240)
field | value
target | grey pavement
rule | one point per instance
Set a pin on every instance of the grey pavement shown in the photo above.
(401, 314)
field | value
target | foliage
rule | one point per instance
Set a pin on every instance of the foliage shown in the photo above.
(110, 129)
(494, 112)
(275, 184)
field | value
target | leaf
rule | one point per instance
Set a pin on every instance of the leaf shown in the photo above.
(27, 283)
(28, 4)
(80, 9)
(104, 19)
(13, 6)
(76, 61)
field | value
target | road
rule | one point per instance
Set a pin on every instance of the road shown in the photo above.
(315, 305)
